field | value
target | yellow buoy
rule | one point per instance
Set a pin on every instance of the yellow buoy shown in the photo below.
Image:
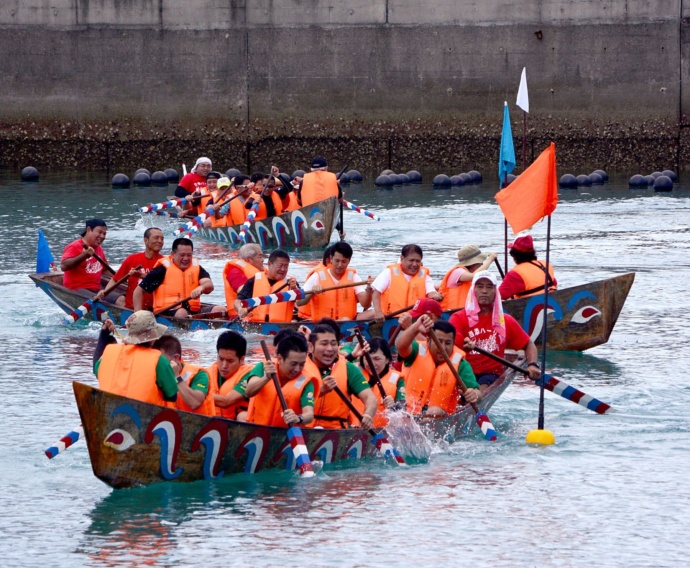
(540, 437)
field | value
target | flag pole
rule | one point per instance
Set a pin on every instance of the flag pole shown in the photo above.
(524, 140)
(545, 313)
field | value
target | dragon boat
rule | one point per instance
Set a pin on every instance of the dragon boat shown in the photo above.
(132, 443)
(578, 318)
(308, 227)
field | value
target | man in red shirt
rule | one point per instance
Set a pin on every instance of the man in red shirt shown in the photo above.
(195, 183)
(528, 276)
(483, 323)
(153, 243)
(81, 269)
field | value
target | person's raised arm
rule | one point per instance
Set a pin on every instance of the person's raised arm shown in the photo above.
(404, 341)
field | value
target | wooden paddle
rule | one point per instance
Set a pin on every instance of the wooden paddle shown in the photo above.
(171, 306)
(372, 369)
(398, 329)
(382, 444)
(294, 434)
(481, 418)
(297, 295)
(500, 268)
(555, 385)
(252, 309)
(65, 442)
(104, 264)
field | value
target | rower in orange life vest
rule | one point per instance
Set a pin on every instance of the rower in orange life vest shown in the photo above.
(430, 386)
(457, 281)
(153, 243)
(338, 304)
(325, 363)
(81, 270)
(392, 381)
(285, 190)
(176, 277)
(318, 184)
(299, 389)
(528, 276)
(192, 380)
(270, 204)
(237, 271)
(484, 324)
(216, 214)
(135, 369)
(194, 183)
(263, 284)
(228, 376)
(304, 311)
(402, 284)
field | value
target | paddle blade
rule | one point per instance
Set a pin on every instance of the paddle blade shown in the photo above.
(65, 442)
(300, 452)
(571, 393)
(486, 427)
(386, 449)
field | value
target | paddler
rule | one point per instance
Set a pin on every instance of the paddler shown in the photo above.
(228, 376)
(264, 188)
(135, 369)
(192, 380)
(392, 381)
(334, 370)
(299, 389)
(423, 307)
(402, 284)
(457, 281)
(194, 183)
(318, 184)
(430, 386)
(217, 214)
(338, 304)
(81, 270)
(235, 212)
(528, 276)
(153, 243)
(237, 271)
(176, 277)
(304, 311)
(483, 323)
(264, 283)
(285, 190)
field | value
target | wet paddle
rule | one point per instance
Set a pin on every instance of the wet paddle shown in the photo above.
(104, 264)
(291, 296)
(372, 369)
(358, 209)
(294, 434)
(171, 306)
(163, 205)
(65, 442)
(481, 418)
(86, 307)
(382, 444)
(555, 385)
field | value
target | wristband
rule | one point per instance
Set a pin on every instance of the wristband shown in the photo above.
(533, 364)
(180, 379)
(300, 418)
(350, 357)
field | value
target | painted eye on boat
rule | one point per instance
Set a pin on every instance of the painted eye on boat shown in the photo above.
(583, 315)
(318, 225)
(119, 440)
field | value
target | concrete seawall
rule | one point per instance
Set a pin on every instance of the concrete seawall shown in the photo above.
(116, 84)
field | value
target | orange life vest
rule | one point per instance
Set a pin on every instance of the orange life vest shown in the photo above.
(280, 312)
(224, 389)
(390, 383)
(317, 186)
(207, 407)
(264, 408)
(220, 221)
(130, 370)
(402, 293)
(304, 312)
(454, 298)
(176, 285)
(289, 202)
(230, 295)
(329, 410)
(237, 213)
(262, 213)
(337, 303)
(532, 274)
(429, 385)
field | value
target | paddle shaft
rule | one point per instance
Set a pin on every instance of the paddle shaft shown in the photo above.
(252, 309)
(500, 268)
(342, 217)
(339, 287)
(400, 311)
(171, 306)
(372, 369)
(121, 280)
(398, 329)
(352, 407)
(501, 360)
(274, 377)
(104, 264)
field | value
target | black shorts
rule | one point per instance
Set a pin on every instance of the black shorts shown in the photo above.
(487, 378)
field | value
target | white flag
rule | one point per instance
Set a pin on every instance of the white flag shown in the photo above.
(522, 98)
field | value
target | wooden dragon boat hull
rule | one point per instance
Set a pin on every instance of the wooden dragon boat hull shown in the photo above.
(578, 318)
(308, 227)
(133, 443)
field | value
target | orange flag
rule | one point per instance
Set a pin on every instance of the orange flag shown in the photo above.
(533, 195)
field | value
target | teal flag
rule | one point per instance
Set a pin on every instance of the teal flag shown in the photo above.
(44, 258)
(506, 156)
